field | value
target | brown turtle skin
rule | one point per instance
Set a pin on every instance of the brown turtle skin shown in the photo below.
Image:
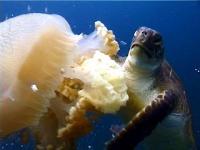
(165, 122)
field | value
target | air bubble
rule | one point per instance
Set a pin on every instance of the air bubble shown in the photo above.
(34, 88)
(197, 70)
(12, 99)
(89, 146)
(62, 70)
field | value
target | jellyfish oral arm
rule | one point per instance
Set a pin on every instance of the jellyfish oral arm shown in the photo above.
(101, 39)
(144, 122)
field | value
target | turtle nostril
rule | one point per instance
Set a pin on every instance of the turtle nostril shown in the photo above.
(144, 33)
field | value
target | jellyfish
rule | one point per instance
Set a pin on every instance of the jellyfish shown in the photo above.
(50, 78)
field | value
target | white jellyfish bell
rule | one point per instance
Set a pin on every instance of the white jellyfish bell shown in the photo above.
(33, 48)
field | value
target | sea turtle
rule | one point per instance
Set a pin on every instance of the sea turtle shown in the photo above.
(162, 119)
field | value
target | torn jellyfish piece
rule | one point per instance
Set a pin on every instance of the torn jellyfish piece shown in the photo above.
(104, 83)
(115, 129)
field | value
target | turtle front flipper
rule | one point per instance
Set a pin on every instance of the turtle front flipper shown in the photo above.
(144, 122)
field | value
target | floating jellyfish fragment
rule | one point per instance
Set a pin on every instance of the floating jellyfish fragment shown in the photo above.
(123, 43)
(46, 9)
(28, 8)
(115, 129)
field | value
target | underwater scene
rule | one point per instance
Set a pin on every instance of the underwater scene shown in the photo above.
(99, 75)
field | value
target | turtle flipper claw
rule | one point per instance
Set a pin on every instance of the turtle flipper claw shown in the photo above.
(144, 122)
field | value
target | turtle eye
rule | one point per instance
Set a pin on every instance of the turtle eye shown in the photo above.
(157, 38)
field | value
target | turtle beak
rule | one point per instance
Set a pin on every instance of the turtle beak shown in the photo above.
(150, 41)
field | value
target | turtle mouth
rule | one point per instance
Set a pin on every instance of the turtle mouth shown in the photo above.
(144, 48)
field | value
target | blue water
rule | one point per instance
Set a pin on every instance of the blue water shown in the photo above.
(178, 22)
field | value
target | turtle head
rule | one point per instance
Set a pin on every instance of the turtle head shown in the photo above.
(147, 48)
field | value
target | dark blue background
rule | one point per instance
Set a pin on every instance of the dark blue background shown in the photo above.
(179, 23)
